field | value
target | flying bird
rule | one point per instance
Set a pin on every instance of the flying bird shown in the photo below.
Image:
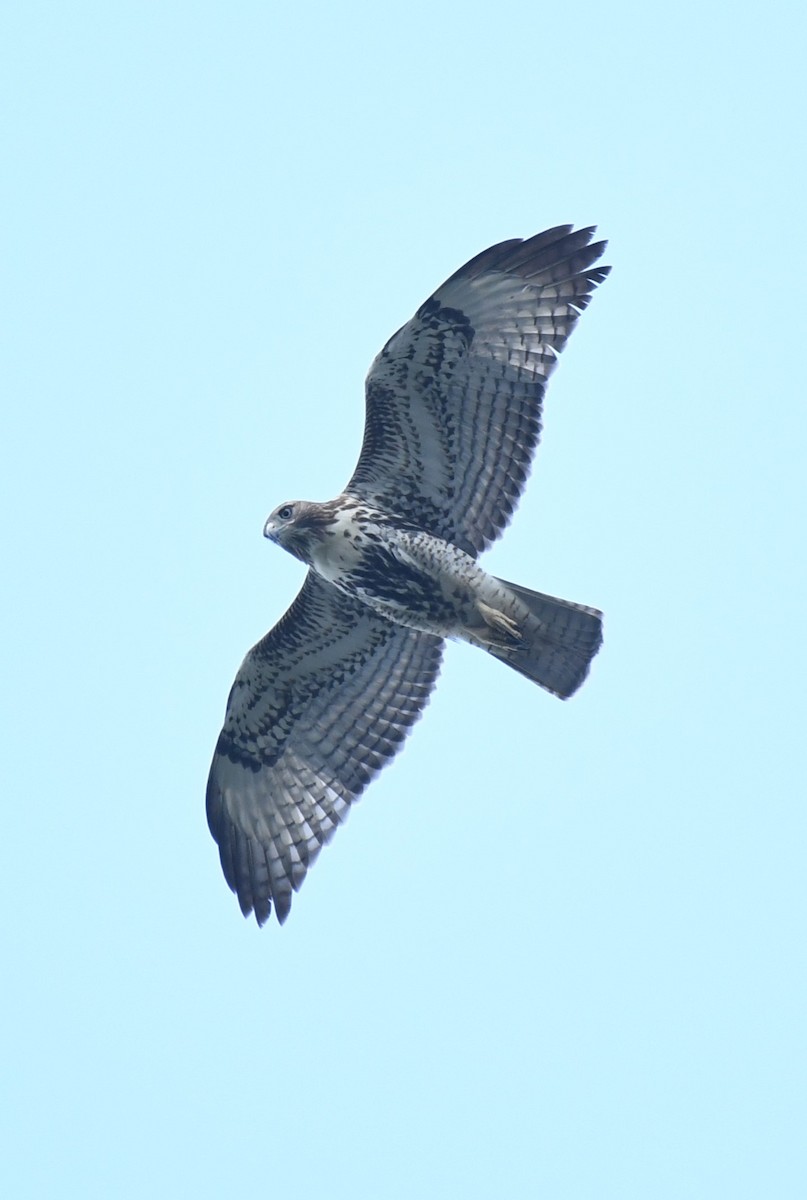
(453, 417)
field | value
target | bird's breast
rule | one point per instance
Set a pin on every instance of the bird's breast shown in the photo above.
(335, 555)
(341, 546)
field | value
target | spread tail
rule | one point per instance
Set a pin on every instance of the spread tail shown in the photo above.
(556, 643)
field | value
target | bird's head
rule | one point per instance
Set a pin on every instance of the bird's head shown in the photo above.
(295, 526)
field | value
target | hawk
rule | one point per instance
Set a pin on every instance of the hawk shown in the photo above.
(453, 416)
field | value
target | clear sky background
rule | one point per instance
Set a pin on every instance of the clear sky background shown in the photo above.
(558, 949)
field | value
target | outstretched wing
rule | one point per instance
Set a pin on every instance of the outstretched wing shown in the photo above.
(454, 398)
(317, 708)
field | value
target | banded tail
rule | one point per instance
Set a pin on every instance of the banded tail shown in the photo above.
(556, 646)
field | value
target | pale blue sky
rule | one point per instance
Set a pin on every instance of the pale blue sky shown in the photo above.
(558, 950)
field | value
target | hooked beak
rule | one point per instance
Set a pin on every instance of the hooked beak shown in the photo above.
(270, 529)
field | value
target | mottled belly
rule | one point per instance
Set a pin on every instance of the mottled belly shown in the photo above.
(407, 594)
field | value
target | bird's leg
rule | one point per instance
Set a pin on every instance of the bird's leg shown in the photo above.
(499, 621)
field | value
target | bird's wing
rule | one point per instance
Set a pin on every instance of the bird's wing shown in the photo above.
(317, 708)
(454, 398)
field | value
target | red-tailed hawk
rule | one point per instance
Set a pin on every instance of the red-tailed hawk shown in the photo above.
(326, 698)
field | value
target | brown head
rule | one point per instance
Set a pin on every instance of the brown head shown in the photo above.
(297, 526)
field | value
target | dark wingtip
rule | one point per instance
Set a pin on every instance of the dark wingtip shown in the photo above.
(282, 907)
(529, 257)
(263, 911)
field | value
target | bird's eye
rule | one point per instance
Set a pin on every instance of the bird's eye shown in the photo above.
(285, 512)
